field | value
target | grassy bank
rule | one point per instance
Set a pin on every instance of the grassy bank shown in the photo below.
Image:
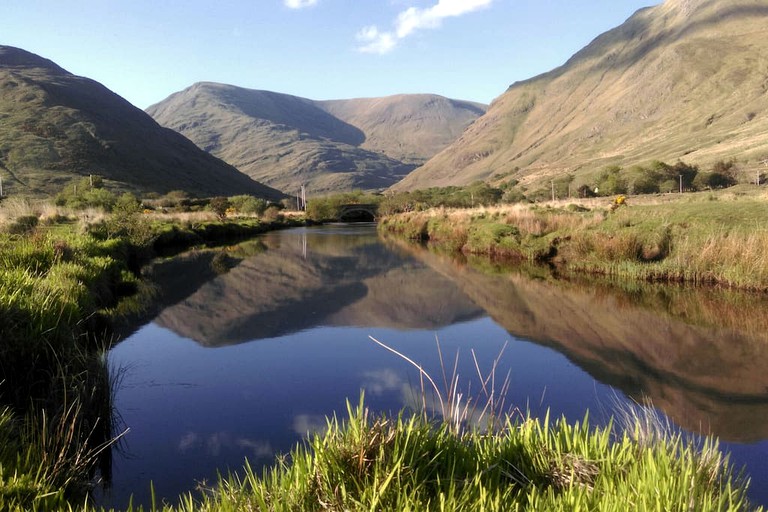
(62, 275)
(702, 238)
(408, 463)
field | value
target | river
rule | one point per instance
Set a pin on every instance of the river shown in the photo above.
(257, 344)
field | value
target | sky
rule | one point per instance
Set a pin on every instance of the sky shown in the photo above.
(145, 50)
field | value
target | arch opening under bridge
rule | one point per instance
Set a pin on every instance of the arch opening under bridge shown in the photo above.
(358, 213)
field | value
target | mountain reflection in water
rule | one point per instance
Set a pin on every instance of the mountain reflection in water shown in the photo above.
(327, 278)
(699, 355)
(280, 324)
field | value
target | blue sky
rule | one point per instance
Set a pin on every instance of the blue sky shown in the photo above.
(145, 50)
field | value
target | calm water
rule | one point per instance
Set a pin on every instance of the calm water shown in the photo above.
(260, 343)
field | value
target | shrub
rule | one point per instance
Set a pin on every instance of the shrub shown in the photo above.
(23, 225)
(219, 206)
(127, 220)
(272, 214)
(248, 204)
(86, 193)
(611, 182)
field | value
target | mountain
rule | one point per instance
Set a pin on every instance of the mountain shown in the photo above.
(286, 141)
(411, 128)
(55, 126)
(687, 79)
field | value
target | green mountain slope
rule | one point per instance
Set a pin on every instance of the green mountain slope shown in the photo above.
(55, 126)
(286, 141)
(687, 79)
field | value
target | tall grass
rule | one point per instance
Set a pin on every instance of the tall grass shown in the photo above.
(54, 390)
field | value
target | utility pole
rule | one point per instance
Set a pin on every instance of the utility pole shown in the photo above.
(681, 183)
(1, 186)
(553, 190)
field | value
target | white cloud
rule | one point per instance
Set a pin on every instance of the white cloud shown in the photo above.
(299, 4)
(412, 19)
(374, 41)
(304, 424)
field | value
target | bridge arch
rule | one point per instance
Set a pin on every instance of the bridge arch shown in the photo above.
(358, 213)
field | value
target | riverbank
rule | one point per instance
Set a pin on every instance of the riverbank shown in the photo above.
(61, 281)
(714, 238)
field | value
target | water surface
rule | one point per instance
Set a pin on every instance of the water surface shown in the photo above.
(261, 342)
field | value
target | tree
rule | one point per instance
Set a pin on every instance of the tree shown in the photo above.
(127, 220)
(611, 182)
(219, 206)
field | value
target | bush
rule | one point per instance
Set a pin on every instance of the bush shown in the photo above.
(513, 195)
(219, 206)
(646, 183)
(23, 225)
(175, 199)
(127, 220)
(248, 205)
(86, 193)
(712, 180)
(610, 182)
(272, 214)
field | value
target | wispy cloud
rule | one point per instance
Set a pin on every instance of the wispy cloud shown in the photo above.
(299, 4)
(373, 40)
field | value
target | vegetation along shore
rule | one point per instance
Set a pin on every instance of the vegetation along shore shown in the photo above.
(66, 267)
(716, 237)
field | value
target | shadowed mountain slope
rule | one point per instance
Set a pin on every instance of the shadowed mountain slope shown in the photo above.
(687, 79)
(285, 141)
(56, 126)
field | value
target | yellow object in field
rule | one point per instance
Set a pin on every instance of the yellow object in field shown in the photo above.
(618, 201)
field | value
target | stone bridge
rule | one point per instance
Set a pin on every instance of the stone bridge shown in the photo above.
(358, 212)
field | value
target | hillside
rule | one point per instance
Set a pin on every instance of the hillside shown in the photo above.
(57, 126)
(687, 79)
(286, 141)
(408, 127)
